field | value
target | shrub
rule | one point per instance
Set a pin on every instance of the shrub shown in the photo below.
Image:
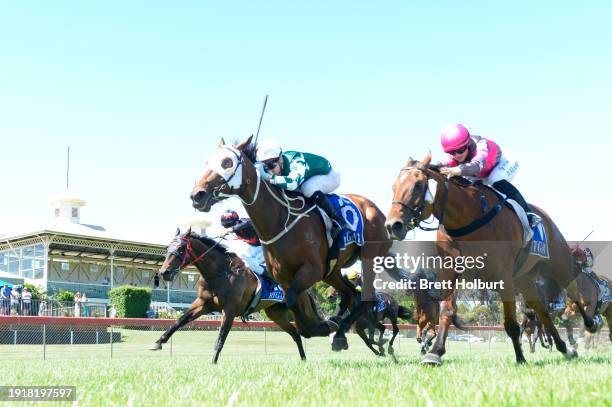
(130, 302)
(63, 296)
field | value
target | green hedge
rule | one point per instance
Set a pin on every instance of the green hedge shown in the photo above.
(130, 302)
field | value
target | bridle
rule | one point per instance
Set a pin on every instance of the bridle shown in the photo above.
(284, 202)
(188, 258)
(417, 212)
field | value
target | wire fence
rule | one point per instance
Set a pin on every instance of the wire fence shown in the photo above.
(87, 337)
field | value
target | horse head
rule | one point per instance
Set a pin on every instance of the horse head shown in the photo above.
(412, 200)
(222, 177)
(178, 255)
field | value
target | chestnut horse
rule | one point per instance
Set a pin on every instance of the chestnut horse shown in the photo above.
(458, 205)
(293, 237)
(225, 285)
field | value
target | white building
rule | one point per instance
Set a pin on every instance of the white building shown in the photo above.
(67, 254)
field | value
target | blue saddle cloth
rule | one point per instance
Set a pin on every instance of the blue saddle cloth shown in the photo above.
(270, 291)
(381, 305)
(539, 243)
(352, 215)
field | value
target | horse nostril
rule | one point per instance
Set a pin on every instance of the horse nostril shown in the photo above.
(199, 196)
(397, 228)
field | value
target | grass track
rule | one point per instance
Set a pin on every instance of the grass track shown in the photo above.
(472, 374)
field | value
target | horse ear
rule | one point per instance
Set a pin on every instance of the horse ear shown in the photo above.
(178, 232)
(244, 143)
(188, 231)
(427, 160)
(221, 143)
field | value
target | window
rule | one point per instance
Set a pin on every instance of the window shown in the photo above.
(146, 273)
(57, 212)
(191, 278)
(75, 212)
(93, 268)
(65, 266)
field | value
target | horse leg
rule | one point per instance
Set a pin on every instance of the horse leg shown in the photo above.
(226, 326)
(534, 302)
(280, 315)
(447, 313)
(359, 328)
(393, 319)
(195, 311)
(381, 340)
(346, 292)
(298, 302)
(569, 329)
(510, 325)
(573, 292)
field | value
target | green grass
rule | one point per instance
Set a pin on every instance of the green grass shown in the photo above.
(250, 374)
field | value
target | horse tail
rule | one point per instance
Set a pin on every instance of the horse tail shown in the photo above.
(404, 313)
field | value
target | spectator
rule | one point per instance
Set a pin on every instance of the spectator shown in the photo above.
(84, 308)
(42, 308)
(113, 311)
(15, 300)
(5, 300)
(151, 313)
(26, 301)
(105, 281)
(77, 304)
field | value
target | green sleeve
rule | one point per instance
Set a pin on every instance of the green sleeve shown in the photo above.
(295, 177)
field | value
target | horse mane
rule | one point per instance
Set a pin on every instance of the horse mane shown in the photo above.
(460, 181)
(210, 242)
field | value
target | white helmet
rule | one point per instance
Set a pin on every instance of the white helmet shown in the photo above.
(268, 149)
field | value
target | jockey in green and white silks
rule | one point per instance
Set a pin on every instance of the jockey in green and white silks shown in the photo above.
(310, 174)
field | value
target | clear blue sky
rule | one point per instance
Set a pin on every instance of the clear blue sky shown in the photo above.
(143, 90)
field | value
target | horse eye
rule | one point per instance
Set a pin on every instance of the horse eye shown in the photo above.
(227, 163)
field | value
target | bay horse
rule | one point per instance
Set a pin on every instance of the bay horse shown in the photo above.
(226, 285)
(464, 232)
(294, 238)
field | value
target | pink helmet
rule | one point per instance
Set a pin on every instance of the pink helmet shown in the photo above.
(454, 137)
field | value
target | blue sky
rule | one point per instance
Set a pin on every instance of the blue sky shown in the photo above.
(142, 91)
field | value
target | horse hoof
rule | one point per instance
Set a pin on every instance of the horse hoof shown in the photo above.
(333, 326)
(156, 346)
(431, 359)
(571, 354)
(339, 344)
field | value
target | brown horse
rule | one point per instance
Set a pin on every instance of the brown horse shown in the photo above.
(293, 236)
(226, 285)
(497, 235)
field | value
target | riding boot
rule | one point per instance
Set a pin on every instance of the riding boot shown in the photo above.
(511, 192)
(321, 200)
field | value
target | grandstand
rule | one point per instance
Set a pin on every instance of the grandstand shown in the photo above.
(67, 254)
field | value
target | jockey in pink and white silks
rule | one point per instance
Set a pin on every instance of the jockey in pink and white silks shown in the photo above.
(476, 157)
(310, 174)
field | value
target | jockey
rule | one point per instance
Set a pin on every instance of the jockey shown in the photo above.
(247, 245)
(476, 157)
(310, 174)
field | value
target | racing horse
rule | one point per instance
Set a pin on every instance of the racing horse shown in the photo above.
(294, 237)
(226, 285)
(498, 236)
(532, 328)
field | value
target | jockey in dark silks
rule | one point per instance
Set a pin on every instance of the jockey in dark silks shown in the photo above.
(247, 245)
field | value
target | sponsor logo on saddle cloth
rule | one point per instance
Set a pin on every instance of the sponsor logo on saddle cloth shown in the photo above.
(539, 243)
(351, 215)
(266, 291)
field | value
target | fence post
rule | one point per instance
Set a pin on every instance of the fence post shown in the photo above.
(71, 336)
(265, 341)
(15, 337)
(111, 341)
(44, 341)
